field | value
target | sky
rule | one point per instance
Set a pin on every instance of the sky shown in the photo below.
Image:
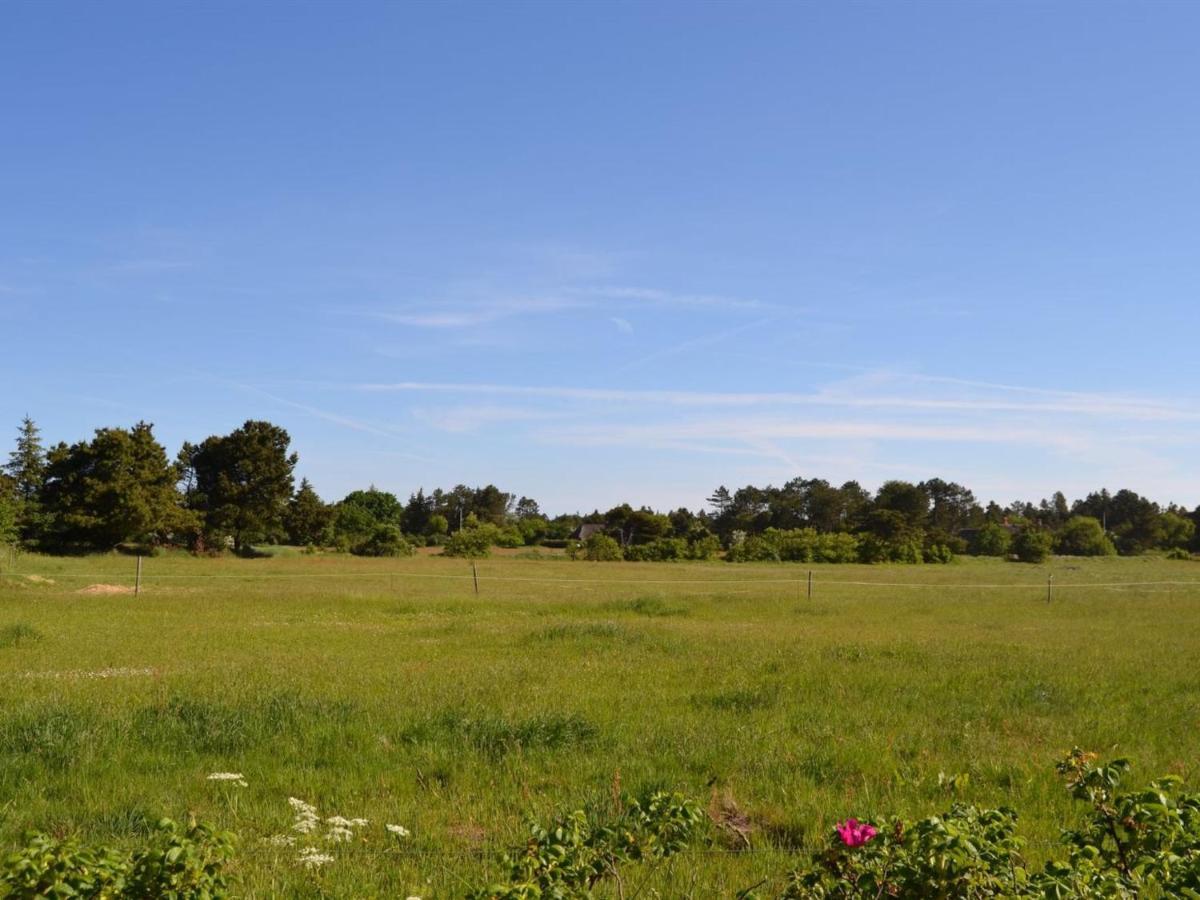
(608, 252)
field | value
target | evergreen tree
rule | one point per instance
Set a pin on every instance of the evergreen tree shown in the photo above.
(307, 516)
(240, 483)
(117, 488)
(417, 513)
(27, 468)
(9, 511)
(27, 463)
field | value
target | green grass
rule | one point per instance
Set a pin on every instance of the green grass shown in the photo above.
(387, 689)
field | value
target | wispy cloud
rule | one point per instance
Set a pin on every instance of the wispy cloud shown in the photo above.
(645, 296)
(840, 396)
(474, 314)
(485, 304)
(350, 422)
(148, 265)
(623, 325)
(469, 419)
(698, 343)
(761, 433)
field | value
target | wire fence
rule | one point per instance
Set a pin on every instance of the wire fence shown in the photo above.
(805, 580)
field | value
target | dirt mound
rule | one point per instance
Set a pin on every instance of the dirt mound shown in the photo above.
(105, 589)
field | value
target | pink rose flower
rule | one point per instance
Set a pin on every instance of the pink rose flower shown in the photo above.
(855, 833)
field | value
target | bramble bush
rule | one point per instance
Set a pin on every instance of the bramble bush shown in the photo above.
(1130, 844)
(177, 865)
(574, 855)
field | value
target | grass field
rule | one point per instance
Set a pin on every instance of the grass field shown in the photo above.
(389, 690)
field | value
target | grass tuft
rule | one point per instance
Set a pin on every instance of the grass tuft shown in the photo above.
(739, 700)
(19, 634)
(583, 631)
(496, 736)
(651, 607)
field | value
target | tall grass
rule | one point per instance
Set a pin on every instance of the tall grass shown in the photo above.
(409, 699)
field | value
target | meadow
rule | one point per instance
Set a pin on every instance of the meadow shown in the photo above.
(389, 690)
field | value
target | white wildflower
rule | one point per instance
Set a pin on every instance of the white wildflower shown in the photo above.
(236, 777)
(280, 840)
(398, 830)
(312, 858)
(301, 807)
(341, 828)
(305, 815)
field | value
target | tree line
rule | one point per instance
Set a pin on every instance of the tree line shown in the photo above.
(121, 489)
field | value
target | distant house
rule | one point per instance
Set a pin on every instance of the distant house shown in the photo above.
(586, 530)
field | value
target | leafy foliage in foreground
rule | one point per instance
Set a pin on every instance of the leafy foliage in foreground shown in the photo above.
(178, 865)
(577, 853)
(1131, 844)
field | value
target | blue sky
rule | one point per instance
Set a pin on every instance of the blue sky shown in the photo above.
(596, 252)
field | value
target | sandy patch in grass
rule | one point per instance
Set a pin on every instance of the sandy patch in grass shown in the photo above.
(105, 589)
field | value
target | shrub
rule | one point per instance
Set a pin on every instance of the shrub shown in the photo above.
(1033, 545)
(1132, 844)
(703, 546)
(572, 856)
(939, 553)
(533, 529)
(659, 550)
(510, 537)
(992, 539)
(385, 540)
(755, 548)
(874, 549)
(1084, 536)
(837, 547)
(177, 864)
(1177, 531)
(470, 543)
(1178, 553)
(805, 545)
(602, 548)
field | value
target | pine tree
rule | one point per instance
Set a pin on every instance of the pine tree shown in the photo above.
(117, 488)
(9, 511)
(240, 482)
(307, 516)
(26, 470)
(27, 463)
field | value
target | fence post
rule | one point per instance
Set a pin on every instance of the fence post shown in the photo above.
(1049, 586)
(475, 576)
(137, 583)
(810, 584)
